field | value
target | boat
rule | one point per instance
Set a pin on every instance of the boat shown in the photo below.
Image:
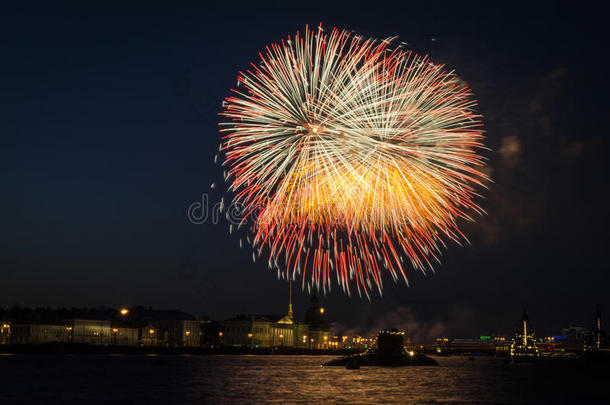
(388, 351)
(523, 346)
(352, 364)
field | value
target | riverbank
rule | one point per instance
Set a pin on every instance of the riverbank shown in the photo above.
(84, 349)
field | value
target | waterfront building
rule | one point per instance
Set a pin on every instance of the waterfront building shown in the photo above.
(264, 331)
(316, 323)
(124, 334)
(260, 331)
(575, 334)
(90, 331)
(5, 332)
(104, 327)
(357, 342)
(210, 334)
(169, 328)
(182, 329)
(247, 330)
(149, 335)
(180, 332)
(523, 346)
(39, 333)
(596, 339)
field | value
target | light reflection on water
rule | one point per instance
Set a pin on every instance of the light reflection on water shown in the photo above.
(292, 379)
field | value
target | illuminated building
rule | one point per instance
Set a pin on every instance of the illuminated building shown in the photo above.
(170, 328)
(88, 331)
(263, 331)
(357, 342)
(484, 343)
(5, 332)
(596, 339)
(317, 327)
(39, 333)
(124, 334)
(259, 331)
(91, 331)
(523, 347)
(137, 326)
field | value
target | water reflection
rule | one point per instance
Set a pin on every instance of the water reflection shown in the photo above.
(292, 379)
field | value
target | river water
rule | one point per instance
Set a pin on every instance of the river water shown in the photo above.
(90, 379)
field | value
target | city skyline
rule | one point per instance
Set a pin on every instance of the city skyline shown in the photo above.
(413, 329)
(346, 202)
(107, 142)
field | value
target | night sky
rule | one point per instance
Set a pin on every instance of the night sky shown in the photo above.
(109, 127)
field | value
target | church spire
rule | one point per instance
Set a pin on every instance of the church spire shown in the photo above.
(525, 319)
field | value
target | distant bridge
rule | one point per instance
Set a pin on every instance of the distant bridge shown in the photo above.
(500, 350)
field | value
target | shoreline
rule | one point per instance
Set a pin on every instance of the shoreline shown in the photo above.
(84, 349)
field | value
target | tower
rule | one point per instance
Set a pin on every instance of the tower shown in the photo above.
(523, 346)
(598, 327)
(314, 316)
(524, 320)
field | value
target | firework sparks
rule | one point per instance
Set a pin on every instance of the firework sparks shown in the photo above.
(352, 158)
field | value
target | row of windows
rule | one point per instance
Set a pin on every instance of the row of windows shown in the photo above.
(235, 329)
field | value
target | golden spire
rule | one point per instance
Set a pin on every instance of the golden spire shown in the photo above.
(524, 320)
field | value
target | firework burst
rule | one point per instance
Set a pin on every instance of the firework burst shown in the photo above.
(352, 158)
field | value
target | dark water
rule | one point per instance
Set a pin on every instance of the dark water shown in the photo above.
(292, 379)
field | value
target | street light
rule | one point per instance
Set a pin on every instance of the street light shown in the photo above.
(115, 331)
(124, 311)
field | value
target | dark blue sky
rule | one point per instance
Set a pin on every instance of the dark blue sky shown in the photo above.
(108, 131)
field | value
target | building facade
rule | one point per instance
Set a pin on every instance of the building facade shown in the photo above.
(124, 335)
(90, 331)
(168, 328)
(269, 331)
(5, 333)
(39, 333)
(179, 332)
(140, 327)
